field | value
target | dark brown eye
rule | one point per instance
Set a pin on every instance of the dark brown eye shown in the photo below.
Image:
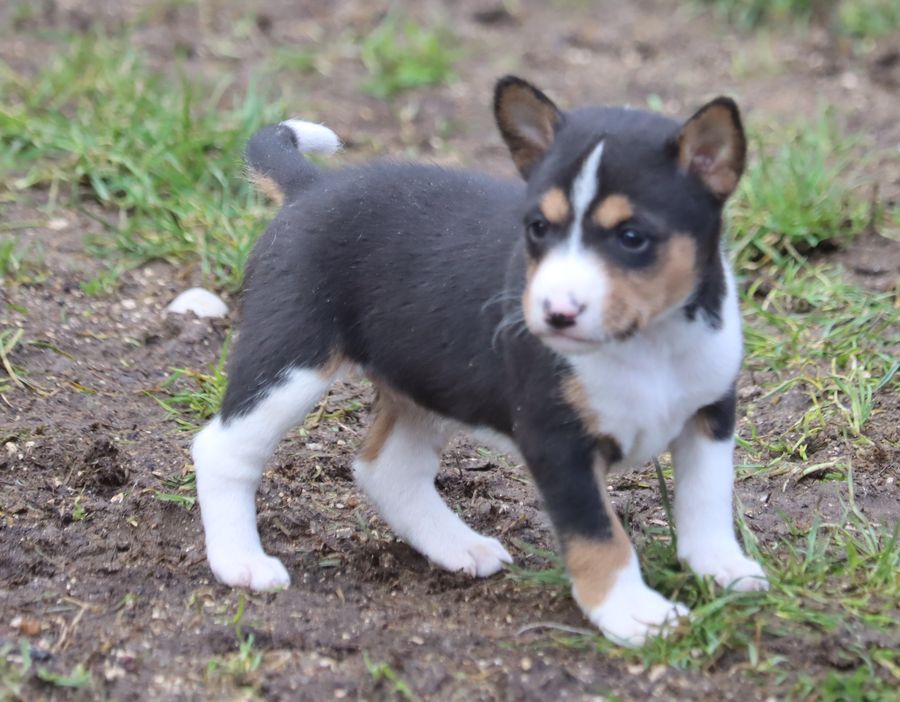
(537, 229)
(632, 240)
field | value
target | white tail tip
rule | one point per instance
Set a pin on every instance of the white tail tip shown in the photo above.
(313, 138)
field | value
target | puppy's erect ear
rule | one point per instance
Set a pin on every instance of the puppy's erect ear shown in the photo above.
(527, 119)
(712, 146)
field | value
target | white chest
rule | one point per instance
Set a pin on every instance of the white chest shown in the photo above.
(644, 390)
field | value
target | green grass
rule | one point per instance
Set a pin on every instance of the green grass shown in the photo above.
(386, 678)
(18, 674)
(830, 582)
(156, 160)
(160, 155)
(796, 196)
(858, 18)
(191, 397)
(241, 665)
(401, 54)
(869, 18)
(104, 283)
(807, 329)
(753, 13)
(20, 264)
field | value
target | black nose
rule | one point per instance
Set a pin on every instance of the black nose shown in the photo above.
(560, 320)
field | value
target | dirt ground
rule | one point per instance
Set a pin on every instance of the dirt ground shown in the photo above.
(120, 584)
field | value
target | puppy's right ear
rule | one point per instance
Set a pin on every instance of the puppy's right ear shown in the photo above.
(527, 119)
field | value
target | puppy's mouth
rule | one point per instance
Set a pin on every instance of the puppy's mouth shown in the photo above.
(568, 341)
(569, 335)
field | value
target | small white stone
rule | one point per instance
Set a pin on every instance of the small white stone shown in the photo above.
(201, 302)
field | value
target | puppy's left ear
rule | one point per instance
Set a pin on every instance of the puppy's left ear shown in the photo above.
(712, 146)
(527, 119)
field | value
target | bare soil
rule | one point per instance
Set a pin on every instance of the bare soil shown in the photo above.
(125, 590)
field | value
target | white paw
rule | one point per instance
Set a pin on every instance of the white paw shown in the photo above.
(472, 554)
(255, 570)
(629, 616)
(728, 567)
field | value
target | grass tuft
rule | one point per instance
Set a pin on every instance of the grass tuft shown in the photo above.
(159, 153)
(793, 198)
(192, 397)
(403, 54)
(833, 585)
(810, 331)
(239, 666)
(857, 18)
(383, 675)
(20, 264)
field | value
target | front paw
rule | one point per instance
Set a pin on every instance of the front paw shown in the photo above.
(254, 570)
(630, 616)
(728, 566)
(470, 553)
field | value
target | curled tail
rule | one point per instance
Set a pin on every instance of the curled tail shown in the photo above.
(275, 164)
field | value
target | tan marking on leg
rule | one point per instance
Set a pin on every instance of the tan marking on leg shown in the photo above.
(386, 414)
(391, 406)
(332, 365)
(267, 186)
(614, 210)
(576, 395)
(555, 206)
(638, 297)
(594, 564)
(702, 424)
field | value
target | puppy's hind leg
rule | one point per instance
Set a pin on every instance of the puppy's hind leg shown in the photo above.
(396, 469)
(229, 456)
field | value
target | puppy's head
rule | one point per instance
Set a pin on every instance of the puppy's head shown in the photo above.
(623, 211)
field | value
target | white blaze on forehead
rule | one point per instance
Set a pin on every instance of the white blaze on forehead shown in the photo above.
(584, 190)
(570, 279)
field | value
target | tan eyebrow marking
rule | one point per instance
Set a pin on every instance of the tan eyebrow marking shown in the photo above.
(555, 206)
(614, 210)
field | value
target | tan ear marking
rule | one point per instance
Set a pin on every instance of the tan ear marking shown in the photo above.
(612, 211)
(555, 206)
(527, 120)
(712, 146)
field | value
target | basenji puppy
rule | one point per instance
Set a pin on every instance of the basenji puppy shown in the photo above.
(586, 319)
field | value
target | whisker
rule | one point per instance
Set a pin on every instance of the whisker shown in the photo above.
(511, 320)
(500, 297)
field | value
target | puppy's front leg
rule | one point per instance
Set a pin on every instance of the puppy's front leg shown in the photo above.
(704, 479)
(606, 579)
